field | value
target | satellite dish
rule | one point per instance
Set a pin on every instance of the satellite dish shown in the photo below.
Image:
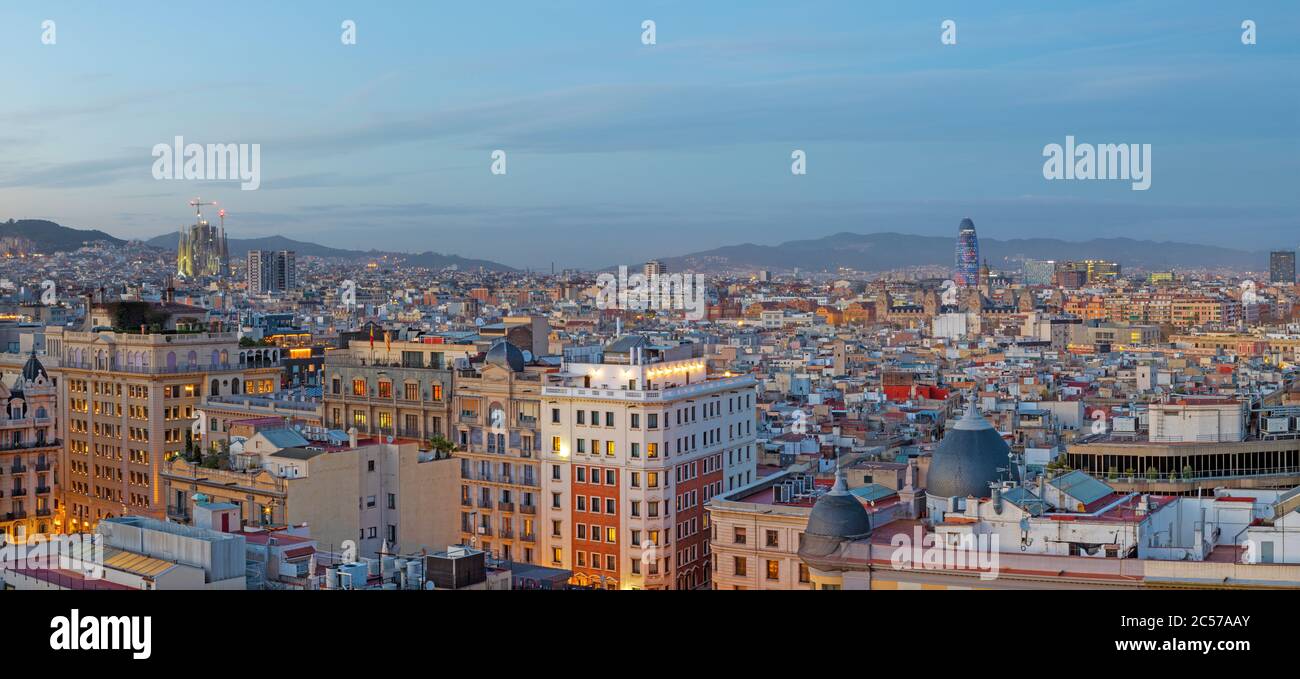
(479, 322)
(390, 438)
(528, 356)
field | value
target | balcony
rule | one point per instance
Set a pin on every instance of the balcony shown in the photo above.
(506, 506)
(44, 511)
(528, 537)
(18, 492)
(528, 509)
(178, 513)
(18, 469)
(466, 502)
(42, 490)
(484, 503)
(43, 465)
(507, 533)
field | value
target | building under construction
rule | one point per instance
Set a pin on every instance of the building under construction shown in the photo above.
(202, 249)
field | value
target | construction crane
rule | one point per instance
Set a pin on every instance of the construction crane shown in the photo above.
(198, 204)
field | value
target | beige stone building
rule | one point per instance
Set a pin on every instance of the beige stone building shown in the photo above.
(129, 387)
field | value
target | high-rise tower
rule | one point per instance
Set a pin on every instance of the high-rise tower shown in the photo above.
(966, 271)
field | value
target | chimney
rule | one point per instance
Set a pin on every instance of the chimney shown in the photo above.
(352, 437)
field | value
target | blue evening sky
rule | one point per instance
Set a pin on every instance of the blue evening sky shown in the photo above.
(618, 152)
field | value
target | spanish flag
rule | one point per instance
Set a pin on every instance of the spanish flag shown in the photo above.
(372, 337)
(388, 341)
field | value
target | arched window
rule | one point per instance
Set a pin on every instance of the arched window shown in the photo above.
(234, 386)
(215, 389)
(171, 360)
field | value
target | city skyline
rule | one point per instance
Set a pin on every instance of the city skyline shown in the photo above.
(396, 131)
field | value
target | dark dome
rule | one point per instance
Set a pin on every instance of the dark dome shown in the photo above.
(33, 368)
(836, 518)
(506, 355)
(966, 224)
(839, 515)
(970, 457)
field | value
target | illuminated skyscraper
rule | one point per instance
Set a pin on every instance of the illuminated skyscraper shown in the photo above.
(967, 268)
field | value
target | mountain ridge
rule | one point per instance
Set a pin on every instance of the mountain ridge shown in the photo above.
(886, 250)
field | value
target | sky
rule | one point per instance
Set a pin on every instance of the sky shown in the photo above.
(618, 151)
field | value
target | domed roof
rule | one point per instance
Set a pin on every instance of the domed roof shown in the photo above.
(970, 457)
(506, 355)
(33, 369)
(836, 517)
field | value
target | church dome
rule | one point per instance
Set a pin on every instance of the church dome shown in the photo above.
(971, 456)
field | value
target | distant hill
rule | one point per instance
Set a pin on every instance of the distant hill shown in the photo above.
(239, 247)
(46, 236)
(885, 251)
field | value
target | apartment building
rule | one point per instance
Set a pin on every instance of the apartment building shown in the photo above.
(497, 405)
(403, 496)
(29, 453)
(636, 439)
(129, 388)
(389, 388)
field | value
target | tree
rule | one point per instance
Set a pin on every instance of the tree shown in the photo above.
(442, 446)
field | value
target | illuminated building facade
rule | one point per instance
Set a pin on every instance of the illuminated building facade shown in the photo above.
(635, 442)
(201, 250)
(129, 400)
(29, 452)
(966, 272)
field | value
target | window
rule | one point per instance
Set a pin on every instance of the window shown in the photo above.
(581, 474)
(555, 447)
(611, 535)
(358, 387)
(385, 389)
(555, 415)
(609, 448)
(739, 536)
(582, 417)
(773, 569)
(636, 420)
(771, 538)
(412, 391)
(803, 573)
(740, 565)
